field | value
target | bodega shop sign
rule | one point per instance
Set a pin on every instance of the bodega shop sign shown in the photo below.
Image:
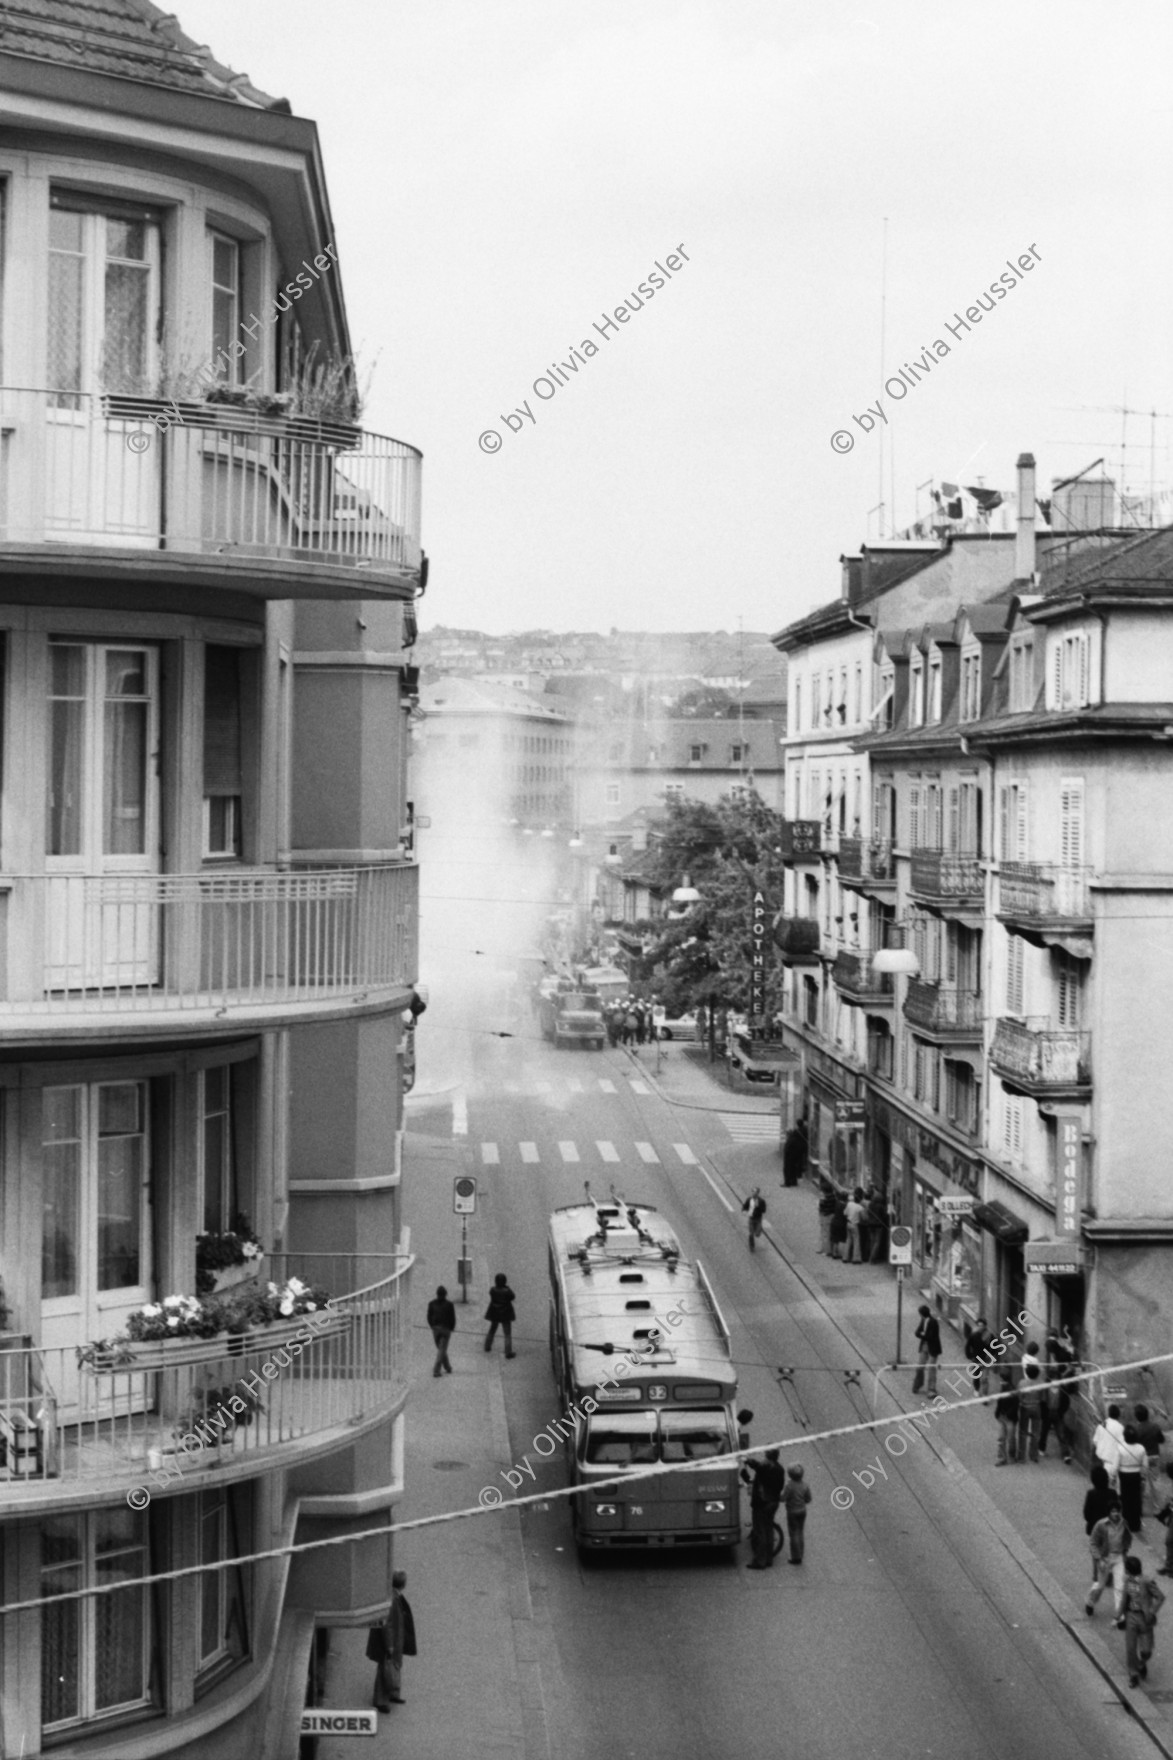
(339, 1723)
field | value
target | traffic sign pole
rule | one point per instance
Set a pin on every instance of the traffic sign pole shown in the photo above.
(464, 1258)
(901, 1274)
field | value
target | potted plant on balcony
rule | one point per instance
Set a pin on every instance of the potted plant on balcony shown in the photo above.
(179, 1328)
(227, 1258)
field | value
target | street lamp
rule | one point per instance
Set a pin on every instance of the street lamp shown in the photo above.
(896, 962)
(686, 894)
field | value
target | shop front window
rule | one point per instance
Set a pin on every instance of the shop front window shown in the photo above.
(959, 1260)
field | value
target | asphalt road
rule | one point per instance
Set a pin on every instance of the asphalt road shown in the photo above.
(905, 1633)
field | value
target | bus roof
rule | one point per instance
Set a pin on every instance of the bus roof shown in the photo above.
(621, 1273)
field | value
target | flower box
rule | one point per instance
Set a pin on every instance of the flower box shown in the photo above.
(230, 1275)
(136, 1356)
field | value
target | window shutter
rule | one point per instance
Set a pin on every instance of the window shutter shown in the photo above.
(1068, 991)
(950, 959)
(1071, 823)
(1014, 984)
(1084, 670)
(955, 819)
(222, 744)
(914, 818)
(1021, 844)
(1005, 820)
(1057, 673)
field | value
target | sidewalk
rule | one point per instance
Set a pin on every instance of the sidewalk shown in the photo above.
(466, 1580)
(1035, 1509)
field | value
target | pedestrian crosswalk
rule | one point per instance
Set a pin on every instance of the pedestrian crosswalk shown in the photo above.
(571, 1154)
(751, 1127)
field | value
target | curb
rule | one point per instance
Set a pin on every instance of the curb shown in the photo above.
(695, 1105)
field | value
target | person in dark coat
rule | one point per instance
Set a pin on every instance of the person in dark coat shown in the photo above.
(1060, 1362)
(500, 1313)
(1006, 1413)
(877, 1224)
(839, 1229)
(768, 1481)
(1098, 1500)
(442, 1320)
(928, 1335)
(827, 1206)
(389, 1643)
(794, 1155)
(977, 1342)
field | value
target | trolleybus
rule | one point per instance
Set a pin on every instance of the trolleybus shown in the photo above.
(642, 1360)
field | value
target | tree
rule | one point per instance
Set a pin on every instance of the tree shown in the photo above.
(729, 851)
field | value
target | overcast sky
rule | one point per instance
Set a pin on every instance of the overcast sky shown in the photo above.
(503, 173)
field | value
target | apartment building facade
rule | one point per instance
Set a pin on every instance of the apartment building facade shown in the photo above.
(207, 906)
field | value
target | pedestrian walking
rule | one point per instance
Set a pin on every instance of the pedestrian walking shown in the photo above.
(1031, 1395)
(838, 1228)
(827, 1203)
(1006, 1412)
(442, 1320)
(767, 1480)
(928, 1334)
(1110, 1544)
(756, 1205)
(389, 1643)
(855, 1214)
(1143, 1600)
(795, 1498)
(1149, 1432)
(1131, 1466)
(1098, 1500)
(877, 1224)
(1106, 1439)
(977, 1341)
(500, 1312)
(1165, 1517)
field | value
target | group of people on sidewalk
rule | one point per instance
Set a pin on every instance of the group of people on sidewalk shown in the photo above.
(500, 1313)
(853, 1229)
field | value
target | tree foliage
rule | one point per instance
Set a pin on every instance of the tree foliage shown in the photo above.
(728, 851)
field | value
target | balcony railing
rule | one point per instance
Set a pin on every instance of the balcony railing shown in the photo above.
(866, 859)
(944, 874)
(854, 978)
(205, 478)
(1039, 1056)
(943, 1010)
(216, 944)
(798, 938)
(71, 1430)
(1038, 891)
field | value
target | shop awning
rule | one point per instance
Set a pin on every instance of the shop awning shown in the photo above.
(1002, 1223)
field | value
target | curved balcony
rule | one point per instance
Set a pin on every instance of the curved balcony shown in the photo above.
(942, 1012)
(74, 1434)
(1047, 1063)
(857, 983)
(798, 940)
(867, 864)
(128, 954)
(284, 507)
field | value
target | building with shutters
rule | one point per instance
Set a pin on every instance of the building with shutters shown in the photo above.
(1013, 843)
(207, 902)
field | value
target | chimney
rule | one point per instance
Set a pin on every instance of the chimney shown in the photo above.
(1024, 545)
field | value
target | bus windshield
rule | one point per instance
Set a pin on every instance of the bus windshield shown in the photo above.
(622, 1439)
(636, 1439)
(692, 1436)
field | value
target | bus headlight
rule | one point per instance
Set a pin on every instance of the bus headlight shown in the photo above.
(715, 1509)
(606, 1509)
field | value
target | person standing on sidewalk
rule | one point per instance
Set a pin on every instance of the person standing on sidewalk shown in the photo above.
(1006, 1412)
(768, 1481)
(977, 1340)
(795, 1499)
(389, 1643)
(838, 1228)
(1058, 1403)
(877, 1224)
(928, 1334)
(1165, 1517)
(442, 1320)
(1031, 1394)
(1111, 1543)
(1098, 1501)
(826, 1212)
(1106, 1439)
(1143, 1600)
(500, 1312)
(1150, 1433)
(856, 1216)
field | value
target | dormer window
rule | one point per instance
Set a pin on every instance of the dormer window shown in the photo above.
(737, 754)
(1022, 685)
(1071, 671)
(696, 753)
(916, 714)
(971, 686)
(934, 714)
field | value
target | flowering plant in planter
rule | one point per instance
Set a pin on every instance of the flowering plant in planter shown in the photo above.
(261, 1305)
(244, 1308)
(237, 1246)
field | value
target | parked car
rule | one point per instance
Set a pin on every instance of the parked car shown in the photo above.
(682, 1026)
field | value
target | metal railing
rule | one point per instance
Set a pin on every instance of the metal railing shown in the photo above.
(1041, 889)
(223, 940)
(942, 1008)
(853, 975)
(944, 874)
(204, 477)
(1034, 1052)
(83, 1424)
(866, 859)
